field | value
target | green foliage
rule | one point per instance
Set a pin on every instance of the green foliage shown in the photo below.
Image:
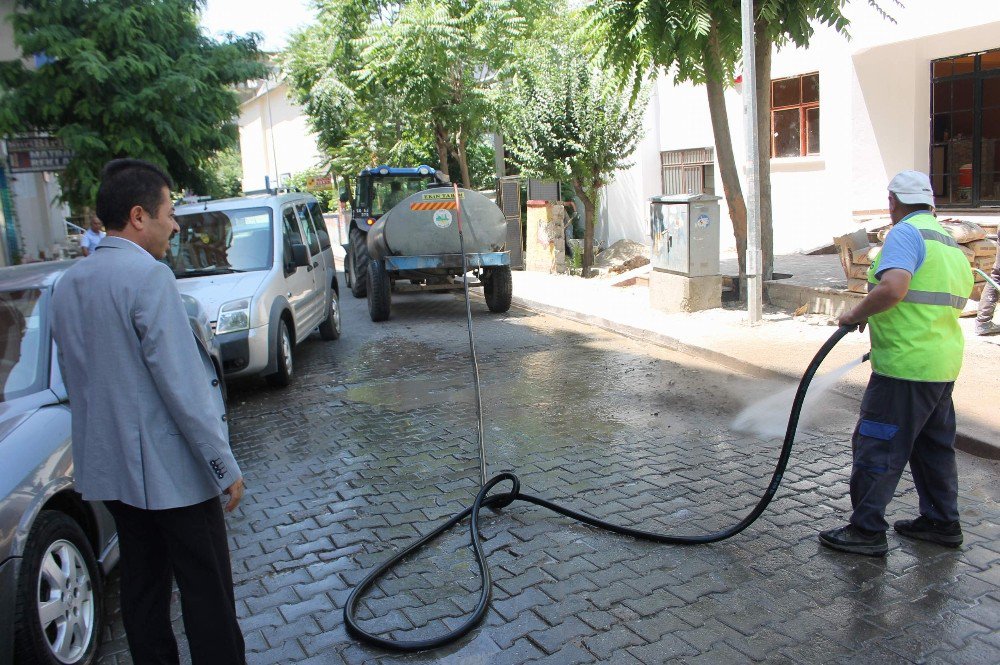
(406, 83)
(132, 78)
(639, 36)
(223, 174)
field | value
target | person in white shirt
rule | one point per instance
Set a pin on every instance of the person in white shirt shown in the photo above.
(91, 237)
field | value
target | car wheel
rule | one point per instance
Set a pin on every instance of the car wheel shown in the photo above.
(330, 328)
(359, 263)
(59, 602)
(283, 350)
(379, 291)
(499, 289)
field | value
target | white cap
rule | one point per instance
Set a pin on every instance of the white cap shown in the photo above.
(912, 187)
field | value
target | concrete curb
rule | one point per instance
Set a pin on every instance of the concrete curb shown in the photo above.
(963, 441)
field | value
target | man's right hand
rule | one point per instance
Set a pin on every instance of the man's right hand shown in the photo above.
(235, 492)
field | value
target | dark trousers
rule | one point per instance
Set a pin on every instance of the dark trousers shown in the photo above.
(188, 543)
(904, 421)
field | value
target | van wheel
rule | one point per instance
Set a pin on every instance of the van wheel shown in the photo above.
(330, 328)
(283, 350)
(499, 289)
(379, 291)
(359, 263)
(59, 597)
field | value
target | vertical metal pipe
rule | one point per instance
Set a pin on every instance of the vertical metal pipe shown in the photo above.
(472, 341)
(754, 258)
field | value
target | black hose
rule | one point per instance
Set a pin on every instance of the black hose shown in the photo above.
(498, 501)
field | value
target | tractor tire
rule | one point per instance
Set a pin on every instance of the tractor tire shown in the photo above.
(379, 291)
(359, 263)
(498, 287)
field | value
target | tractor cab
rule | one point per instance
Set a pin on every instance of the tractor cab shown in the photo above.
(379, 188)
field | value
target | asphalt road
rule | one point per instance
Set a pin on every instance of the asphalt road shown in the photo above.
(375, 442)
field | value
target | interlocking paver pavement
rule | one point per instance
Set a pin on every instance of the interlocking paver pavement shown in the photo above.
(375, 442)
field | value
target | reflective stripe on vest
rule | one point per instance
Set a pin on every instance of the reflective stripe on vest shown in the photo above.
(919, 339)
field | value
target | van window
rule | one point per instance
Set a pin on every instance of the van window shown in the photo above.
(321, 230)
(306, 224)
(289, 235)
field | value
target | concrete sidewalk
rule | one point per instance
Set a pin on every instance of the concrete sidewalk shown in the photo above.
(781, 347)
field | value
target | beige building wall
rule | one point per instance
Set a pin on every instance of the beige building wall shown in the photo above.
(275, 139)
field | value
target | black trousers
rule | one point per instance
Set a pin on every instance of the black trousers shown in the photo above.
(188, 544)
(904, 421)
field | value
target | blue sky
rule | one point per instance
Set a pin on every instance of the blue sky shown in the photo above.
(275, 19)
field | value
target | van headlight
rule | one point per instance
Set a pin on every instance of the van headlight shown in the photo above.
(233, 316)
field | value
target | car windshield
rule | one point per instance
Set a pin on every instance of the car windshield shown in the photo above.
(221, 241)
(388, 191)
(23, 356)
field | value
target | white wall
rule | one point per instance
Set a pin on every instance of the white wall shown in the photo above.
(40, 218)
(274, 137)
(874, 119)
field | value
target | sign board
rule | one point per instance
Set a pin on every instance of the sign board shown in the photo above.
(324, 182)
(37, 153)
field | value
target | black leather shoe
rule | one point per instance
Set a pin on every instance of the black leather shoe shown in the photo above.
(851, 539)
(948, 534)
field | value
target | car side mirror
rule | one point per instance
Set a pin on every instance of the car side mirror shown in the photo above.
(300, 255)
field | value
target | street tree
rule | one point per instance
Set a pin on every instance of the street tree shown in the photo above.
(565, 119)
(700, 41)
(133, 78)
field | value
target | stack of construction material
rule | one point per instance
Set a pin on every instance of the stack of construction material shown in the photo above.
(971, 238)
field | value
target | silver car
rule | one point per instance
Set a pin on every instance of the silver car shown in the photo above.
(55, 548)
(262, 267)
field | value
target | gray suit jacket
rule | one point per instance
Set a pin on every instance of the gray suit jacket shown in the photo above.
(149, 426)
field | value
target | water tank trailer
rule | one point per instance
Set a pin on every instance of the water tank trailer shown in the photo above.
(404, 227)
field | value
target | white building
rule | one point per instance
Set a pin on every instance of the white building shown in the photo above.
(275, 140)
(923, 93)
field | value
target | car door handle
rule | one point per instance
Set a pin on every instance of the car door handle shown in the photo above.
(315, 264)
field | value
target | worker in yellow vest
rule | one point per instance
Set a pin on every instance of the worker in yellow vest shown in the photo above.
(917, 287)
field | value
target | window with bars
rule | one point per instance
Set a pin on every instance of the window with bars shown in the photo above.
(688, 171)
(795, 116)
(965, 130)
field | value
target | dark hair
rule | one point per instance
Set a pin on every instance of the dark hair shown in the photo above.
(126, 183)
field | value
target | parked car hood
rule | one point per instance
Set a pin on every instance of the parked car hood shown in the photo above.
(213, 291)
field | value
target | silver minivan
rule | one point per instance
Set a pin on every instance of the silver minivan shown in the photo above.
(262, 267)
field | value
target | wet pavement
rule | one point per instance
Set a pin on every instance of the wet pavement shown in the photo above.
(375, 442)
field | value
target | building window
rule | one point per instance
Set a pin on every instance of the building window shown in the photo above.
(688, 171)
(965, 130)
(795, 116)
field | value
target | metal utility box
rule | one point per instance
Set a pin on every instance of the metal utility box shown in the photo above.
(685, 232)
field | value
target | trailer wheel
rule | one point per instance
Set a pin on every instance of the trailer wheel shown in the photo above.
(379, 291)
(498, 287)
(359, 263)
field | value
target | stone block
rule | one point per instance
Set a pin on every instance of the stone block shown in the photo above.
(676, 293)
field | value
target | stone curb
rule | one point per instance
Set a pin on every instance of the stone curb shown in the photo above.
(963, 441)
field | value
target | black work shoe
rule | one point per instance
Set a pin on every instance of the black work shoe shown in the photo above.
(948, 534)
(852, 539)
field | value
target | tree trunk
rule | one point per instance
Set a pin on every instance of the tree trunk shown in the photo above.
(762, 49)
(463, 160)
(441, 141)
(588, 224)
(724, 149)
(347, 188)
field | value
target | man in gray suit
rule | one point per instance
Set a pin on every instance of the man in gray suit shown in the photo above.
(150, 437)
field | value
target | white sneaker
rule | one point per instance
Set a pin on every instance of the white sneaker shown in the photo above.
(988, 328)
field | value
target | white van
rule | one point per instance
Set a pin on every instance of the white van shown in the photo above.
(262, 268)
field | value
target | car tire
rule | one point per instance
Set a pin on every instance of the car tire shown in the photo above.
(59, 607)
(379, 291)
(498, 289)
(359, 263)
(330, 328)
(283, 353)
